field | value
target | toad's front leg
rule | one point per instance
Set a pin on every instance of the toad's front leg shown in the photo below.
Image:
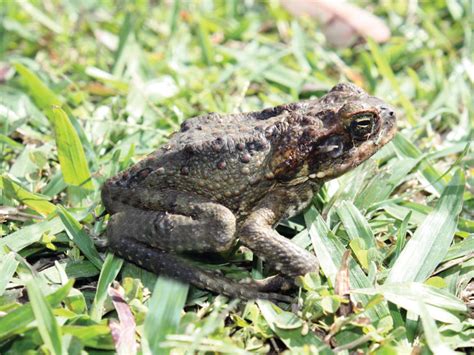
(257, 231)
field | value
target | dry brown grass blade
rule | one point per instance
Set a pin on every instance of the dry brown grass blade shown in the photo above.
(343, 286)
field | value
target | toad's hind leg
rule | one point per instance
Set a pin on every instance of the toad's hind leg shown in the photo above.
(207, 227)
(169, 219)
(138, 251)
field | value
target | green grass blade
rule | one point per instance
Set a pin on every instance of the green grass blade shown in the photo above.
(109, 272)
(41, 17)
(166, 305)
(46, 99)
(387, 72)
(443, 305)
(461, 249)
(292, 338)
(18, 319)
(355, 224)
(329, 251)
(8, 265)
(382, 184)
(74, 270)
(361, 235)
(204, 42)
(430, 243)
(174, 16)
(125, 30)
(43, 97)
(407, 149)
(401, 238)
(79, 237)
(298, 44)
(70, 151)
(46, 322)
(14, 144)
(96, 336)
(36, 202)
(433, 337)
(28, 235)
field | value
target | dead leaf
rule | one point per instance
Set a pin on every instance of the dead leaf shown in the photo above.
(342, 23)
(123, 332)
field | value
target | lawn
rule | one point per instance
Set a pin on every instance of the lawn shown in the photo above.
(88, 88)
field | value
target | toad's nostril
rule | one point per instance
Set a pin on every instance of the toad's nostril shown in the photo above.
(388, 110)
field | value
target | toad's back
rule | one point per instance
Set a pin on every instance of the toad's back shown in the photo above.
(224, 158)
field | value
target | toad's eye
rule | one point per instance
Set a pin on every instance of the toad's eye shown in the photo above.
(361, 125)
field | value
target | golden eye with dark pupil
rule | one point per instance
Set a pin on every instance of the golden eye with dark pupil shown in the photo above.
(361, 125)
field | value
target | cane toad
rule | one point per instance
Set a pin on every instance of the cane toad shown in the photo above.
(225, 178)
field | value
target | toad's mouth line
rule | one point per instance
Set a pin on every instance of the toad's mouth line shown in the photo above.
(385, 136)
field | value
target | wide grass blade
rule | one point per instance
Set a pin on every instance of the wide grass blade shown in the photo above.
(109, 272)
(46, 322)
(288, 328)
(355, 224)
(166, 305)
(461, 249)
(429, 245)
(42, 95)
(432, 334)
(407, 149)
(15, 321)
(95, 336)
(359, 231)
(28, 235)
(8, 265)
(13, 144)
(204, 42)
(79, 237)
(36, 202)
(70, 152)
(443, 306)
(125, 30)
(174, 16)
(46, 99)
(383, 183)
(41, 17)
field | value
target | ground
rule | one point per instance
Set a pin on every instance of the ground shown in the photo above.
(90, 87)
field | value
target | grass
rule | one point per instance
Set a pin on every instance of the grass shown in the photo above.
(91, 87)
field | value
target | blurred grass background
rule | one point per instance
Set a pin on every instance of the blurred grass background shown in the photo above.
(90, 87)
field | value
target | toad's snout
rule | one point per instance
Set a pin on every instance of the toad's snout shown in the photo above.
(388, 125)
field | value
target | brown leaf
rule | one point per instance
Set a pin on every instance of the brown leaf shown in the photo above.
(342, 23)
(123, 332)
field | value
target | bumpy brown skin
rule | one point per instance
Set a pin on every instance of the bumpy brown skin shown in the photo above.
(224, 178)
